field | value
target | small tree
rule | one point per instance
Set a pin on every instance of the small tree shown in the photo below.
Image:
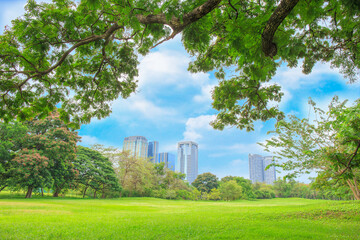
(95, 171)
(30, 169)
(196, 194)
(284, 188)
(214, 194)
(230, 190)
(11, 136)
(246, 185)
(330, 144)
(205, 182)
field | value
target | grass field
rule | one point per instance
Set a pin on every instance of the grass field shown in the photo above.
(148, 218)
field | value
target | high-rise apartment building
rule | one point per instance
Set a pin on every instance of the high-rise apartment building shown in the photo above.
(269, 174)
(153, 150)
(187, 160)
(137, 145)
(168, 159)
(257, 165)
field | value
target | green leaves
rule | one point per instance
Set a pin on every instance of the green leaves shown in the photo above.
(89, 49)
(330, 145)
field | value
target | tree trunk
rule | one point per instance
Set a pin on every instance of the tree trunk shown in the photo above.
(354, 188)
(57, 191)
(3, 188)
(29, 192)
(85, 191)
(42, 192)
(103, 192)
(94, 194)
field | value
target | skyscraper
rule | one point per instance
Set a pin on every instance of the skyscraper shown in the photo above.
(257, 165)
(137, 145)
(269, 174)
(168, 159)
(153, 150)
(187, 160)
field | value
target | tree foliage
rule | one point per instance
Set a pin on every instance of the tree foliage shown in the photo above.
(246, 185)
(230, 190)
(55, 141)
(330, 144)
(95, 171)
(30, 169)
(38, 154)
(11, 137)
(84, 54)
(205, 182)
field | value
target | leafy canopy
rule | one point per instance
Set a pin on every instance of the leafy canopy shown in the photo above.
(83, 55)
(329, 145)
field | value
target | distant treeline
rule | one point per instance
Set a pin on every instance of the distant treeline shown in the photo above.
(43, 156)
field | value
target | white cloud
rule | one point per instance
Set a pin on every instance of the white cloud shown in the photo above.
(195, 127)
(168, 67)
(294, 78)
(137, 106)
(88, 140)
(205, 95)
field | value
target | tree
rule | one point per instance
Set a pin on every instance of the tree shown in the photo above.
(30, 169)
(95, 171)
(52, 138)
(284, 188)
(330, 144)
(90, 49)
(247, 190)
(11, 137)
(205, 182)
(230, 190)
(196, 194)
(136, 175)
(214, 194)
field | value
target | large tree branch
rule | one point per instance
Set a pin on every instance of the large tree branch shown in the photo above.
(177, 24)
(280, 13)
(84, 41)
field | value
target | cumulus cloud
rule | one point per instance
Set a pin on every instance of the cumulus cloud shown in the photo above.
(138, 107)
(294, 78)
(205, 95)
(195, 127)
(168, 67)
(88, 140)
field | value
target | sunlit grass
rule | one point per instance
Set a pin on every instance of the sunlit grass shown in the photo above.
(148, 218)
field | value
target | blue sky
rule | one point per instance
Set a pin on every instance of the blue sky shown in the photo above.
(172, 105)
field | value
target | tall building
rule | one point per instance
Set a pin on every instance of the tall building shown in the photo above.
(137, 145)
(269, 174)
(187, 160)
(168, 159)
(257, 165)
(153, 150)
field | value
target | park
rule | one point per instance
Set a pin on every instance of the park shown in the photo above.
(149, 218)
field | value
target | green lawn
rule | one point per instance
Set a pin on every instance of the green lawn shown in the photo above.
(148, 218)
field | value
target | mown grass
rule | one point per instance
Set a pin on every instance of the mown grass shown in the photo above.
(149, 218)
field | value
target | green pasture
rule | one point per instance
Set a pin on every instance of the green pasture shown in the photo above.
(149, 218)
